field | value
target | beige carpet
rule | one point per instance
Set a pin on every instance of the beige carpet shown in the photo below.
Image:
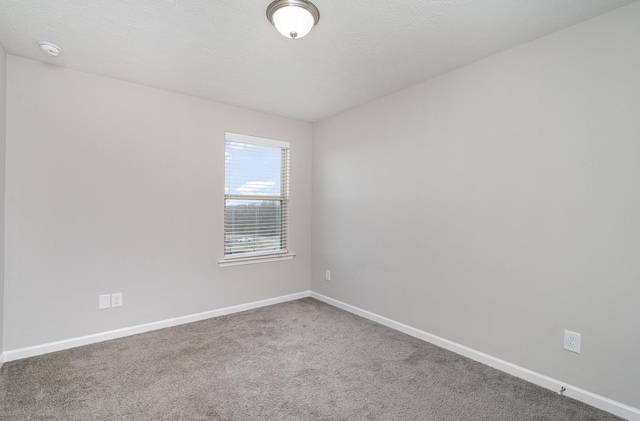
(301, 360)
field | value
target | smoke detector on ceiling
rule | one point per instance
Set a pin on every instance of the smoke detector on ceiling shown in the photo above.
(50, 49)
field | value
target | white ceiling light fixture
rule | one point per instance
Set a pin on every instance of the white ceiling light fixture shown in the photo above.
(293, 18)
(50, 49)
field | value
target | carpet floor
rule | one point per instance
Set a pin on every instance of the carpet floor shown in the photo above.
(301, 360)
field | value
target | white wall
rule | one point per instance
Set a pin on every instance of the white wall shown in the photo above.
(499, 204)
(3, 91)
(115, 187)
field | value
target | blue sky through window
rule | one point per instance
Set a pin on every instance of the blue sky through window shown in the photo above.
(252, 169)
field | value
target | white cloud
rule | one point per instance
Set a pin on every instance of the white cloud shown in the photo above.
(257, 188)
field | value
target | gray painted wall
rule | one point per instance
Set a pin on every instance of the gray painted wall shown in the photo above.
(499, 204)
(115, 187)
(3, 91)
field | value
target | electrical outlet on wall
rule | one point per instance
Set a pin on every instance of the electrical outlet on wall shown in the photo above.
(116, 300)
(327, 275)
(572, 341)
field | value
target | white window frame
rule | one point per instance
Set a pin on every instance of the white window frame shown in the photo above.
(260, 257)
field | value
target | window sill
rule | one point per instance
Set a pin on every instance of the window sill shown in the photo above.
(252, 260)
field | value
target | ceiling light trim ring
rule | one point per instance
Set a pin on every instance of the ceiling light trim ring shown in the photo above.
(303, 4)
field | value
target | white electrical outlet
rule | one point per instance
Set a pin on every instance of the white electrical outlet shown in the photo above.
(572, 341)
(327, 275)
(116, 300)
(104, 301)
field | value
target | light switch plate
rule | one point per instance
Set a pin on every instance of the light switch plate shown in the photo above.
(104, 301)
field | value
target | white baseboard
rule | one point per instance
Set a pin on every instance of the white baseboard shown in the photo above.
(597, 401)
(32, 351)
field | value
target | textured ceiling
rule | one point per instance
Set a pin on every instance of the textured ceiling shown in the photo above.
(227, 51)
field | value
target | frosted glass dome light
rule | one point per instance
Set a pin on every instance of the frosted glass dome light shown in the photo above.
(293, 18)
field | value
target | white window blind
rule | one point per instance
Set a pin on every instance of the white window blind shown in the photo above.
(256, 196)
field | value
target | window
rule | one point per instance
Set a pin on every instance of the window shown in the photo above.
(256, 198)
